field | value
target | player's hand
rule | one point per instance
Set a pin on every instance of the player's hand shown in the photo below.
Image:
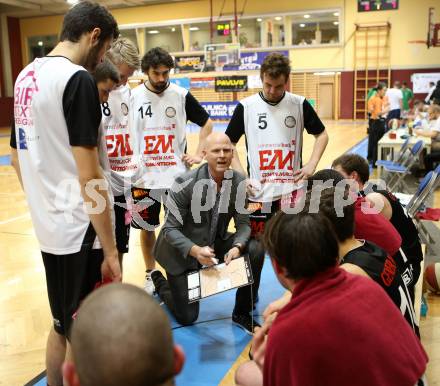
(110, 267)
(275, 306)
(204, 255)
(251, 188)
(303, 173)
(233, 253)
(191, 160)
(259, 344)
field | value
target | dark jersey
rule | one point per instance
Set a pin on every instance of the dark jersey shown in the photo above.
(383, 269)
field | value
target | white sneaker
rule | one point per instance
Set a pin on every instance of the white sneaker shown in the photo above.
(149, 285)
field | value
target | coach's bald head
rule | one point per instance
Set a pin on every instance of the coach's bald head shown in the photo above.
(218, 152)
(121, 336)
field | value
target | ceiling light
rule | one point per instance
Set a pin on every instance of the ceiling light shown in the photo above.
(40, 43)
(173, 29)
(336, 22)
(336, 14)
(278, 18)
(259, 19)
(306, 16)
(194, 28)
(153, 32)
(239, 24)
(302, 25)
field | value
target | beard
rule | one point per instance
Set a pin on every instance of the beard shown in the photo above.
(93, 58)
(159, 86)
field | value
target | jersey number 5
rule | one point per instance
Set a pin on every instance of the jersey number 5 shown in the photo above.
(145, 112)
(262, 123)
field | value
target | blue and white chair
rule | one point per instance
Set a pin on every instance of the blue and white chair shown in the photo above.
(397, 172)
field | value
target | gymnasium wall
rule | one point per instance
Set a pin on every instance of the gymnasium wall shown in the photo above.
(409, 23)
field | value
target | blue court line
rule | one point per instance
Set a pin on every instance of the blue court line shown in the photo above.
(211, 348)
(5, 160)
(361, 148)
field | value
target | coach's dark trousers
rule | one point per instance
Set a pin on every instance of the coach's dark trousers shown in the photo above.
(376, 132)
(174, 290)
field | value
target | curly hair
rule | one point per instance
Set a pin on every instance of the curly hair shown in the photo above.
(275, 65)
(156, 57)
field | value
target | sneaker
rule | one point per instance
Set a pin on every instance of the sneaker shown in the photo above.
(149, 285)
(245, 322)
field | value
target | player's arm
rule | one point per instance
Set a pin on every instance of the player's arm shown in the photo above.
(197, 114)
(205, 130)
(234, 131)
(314, 126)
(82, 112)
(354, 269)
(14, 154)
(379, 201)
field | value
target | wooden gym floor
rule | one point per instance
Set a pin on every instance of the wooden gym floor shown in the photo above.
(24, 310)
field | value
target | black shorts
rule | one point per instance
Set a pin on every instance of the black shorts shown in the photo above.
(70, 278)
(260, 214)
(122, 230)
(146, 207)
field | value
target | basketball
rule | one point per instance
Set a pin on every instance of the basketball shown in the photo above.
(432, 277)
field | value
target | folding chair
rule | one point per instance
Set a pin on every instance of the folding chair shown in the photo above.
(398, 157)
(424, 190)
(398, 172)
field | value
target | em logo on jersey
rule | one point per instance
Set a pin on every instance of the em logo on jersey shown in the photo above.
(290, 122)
(170, 112)
(124, 108)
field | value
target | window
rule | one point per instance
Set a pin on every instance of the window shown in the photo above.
(315, 28)
(41, 45)
(167, 37)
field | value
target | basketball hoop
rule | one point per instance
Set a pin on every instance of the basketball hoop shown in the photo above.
(220, 55)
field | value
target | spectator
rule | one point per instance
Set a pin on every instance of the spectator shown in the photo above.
(433, 132)
(430, 91)
(395, 99)
(408, 96)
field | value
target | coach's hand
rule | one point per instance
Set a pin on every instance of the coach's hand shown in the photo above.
(233, 253)
(204, 255)
(191, 160)
(110, 267)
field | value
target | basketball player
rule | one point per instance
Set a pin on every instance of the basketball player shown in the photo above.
(143, 331)
(55, 137)
(353, 166)
(121, 150)
(272, 122)
(160, 111)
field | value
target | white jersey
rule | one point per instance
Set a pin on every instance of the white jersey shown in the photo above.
(395, 97)
(274, 140)
(121, 148)
(106, 170)
(47, 165)
(159, 123)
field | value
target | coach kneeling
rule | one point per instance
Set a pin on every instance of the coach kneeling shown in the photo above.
(200, 206)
